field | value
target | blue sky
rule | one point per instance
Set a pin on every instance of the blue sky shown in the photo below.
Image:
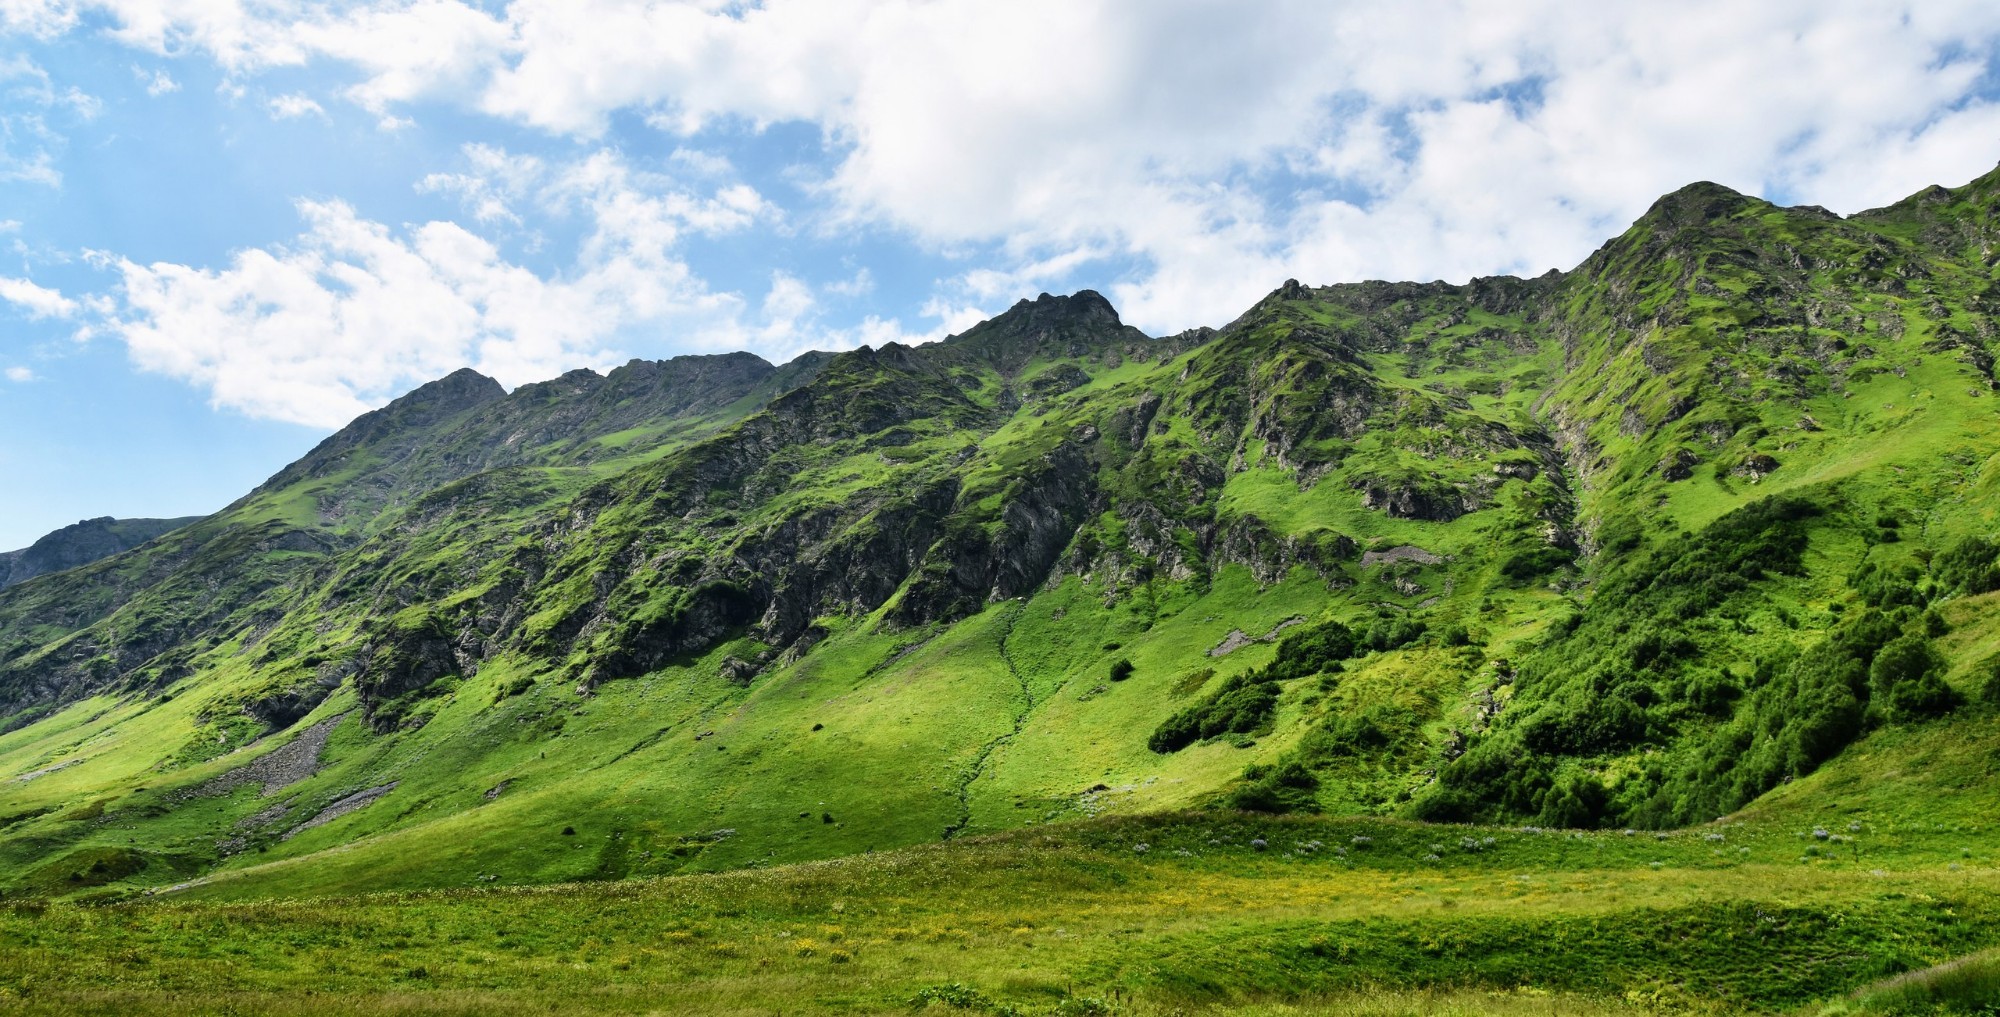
(227, 226)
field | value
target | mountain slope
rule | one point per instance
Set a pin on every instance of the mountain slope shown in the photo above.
(81, 543)
(1628, 545)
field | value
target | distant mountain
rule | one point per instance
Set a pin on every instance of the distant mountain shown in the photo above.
(80, 544)
(1629, 545)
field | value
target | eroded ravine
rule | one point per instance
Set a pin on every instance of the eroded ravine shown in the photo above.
(986, 751)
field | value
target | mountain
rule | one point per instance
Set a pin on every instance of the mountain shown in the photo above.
(80, 544)
(1640, 544)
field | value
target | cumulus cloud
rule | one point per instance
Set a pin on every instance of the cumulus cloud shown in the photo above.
(353, 311)
(1184, 155)
(39, 18)
(157, 83)
(34, 300)
(1205, 150)
(347, 315)
(31, 115)
(293, 106)
(492, 180)
(20, 375)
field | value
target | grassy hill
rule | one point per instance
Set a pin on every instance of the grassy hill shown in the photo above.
(1696, 538)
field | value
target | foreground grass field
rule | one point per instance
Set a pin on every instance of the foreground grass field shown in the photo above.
(1193, 912)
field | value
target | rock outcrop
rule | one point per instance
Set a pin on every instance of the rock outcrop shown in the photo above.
(80, 544)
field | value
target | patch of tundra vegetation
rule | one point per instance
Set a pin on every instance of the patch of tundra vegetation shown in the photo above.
(1208, 917)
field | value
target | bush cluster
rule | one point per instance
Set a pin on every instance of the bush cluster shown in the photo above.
(1630, 672)
(1247, 702)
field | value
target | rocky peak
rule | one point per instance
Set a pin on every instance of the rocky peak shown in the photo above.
(679, 384)
(433, 401)
(1696, 204)
(1082, 309)
(1076, 325)
(79, 544)
(568, 385)
(403, 422)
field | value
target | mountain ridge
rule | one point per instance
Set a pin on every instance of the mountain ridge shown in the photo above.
(1348, 552)
(81, 543)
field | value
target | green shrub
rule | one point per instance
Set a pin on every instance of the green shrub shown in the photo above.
(1886, 588)
(1248, 702)
(1392, 633)
(1287, 787)
(1373, 731)
(513, 687)
(1244, 703)
(1534, 563)
(1986, 680)
(1906, 679)
(1971, 566)
(1628, 671)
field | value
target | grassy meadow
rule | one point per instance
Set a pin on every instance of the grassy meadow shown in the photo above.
(1831, 896)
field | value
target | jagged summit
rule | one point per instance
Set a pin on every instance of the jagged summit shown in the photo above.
(427, 404)
(1696, 204)
(432, 401)
(1085, 304)
(1048, 325)
(1084, 309)
(466, 422)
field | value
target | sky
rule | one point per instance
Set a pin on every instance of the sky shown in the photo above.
(229, 226)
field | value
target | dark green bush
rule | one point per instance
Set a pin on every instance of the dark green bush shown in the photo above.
(1287, 787)
(1971, 566)
(1906, 680)
(1242, 705)
(1534, 563)
(1392, 633)
(1886, 588)
(1247, 702)
(1629, 672)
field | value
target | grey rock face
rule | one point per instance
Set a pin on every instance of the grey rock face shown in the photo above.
(80, 544)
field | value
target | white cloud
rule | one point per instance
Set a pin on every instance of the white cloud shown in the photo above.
(492, 180)
(239, 35)
(29, 142)
(349, 314)
(990, 283)
(1182, 153)
(700, 163)
(1217, 148)
(20, 375)
(861, 283)
(35, 300)
(157, 83)
(294, 106)
(39, 18)
(407, 50)
(23, 155)
(352, 311)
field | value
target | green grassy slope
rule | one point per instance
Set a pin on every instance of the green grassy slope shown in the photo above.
(1795, 907)
(1690, 532)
